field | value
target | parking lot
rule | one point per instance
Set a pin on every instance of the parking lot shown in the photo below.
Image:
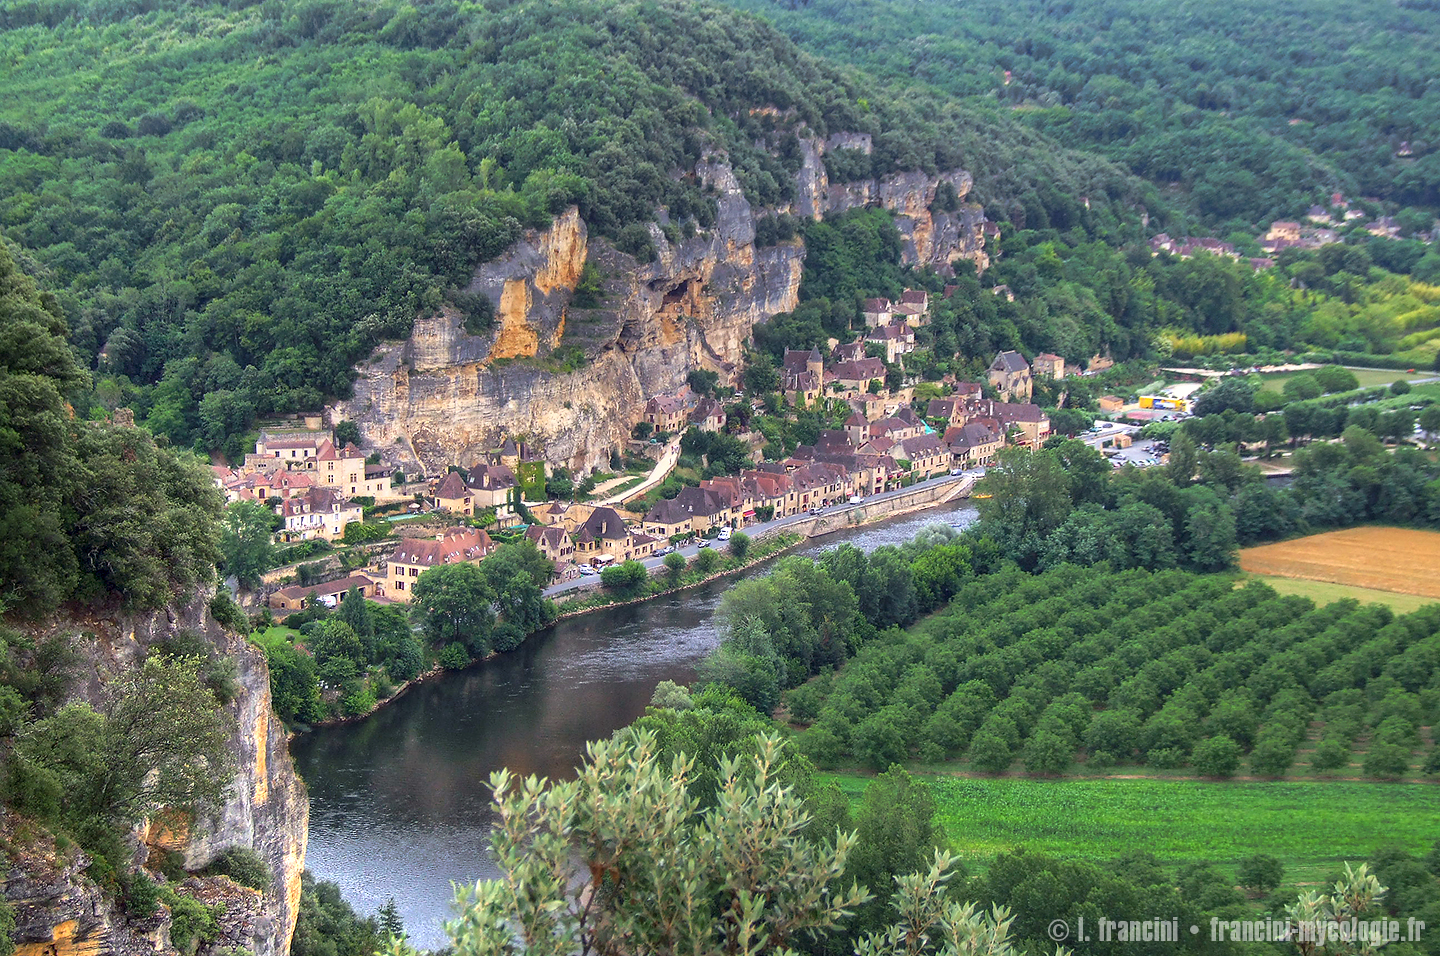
(1142, 454)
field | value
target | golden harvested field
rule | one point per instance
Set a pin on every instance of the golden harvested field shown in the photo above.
(1385, 559)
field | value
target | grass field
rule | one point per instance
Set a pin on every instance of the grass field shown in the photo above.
(1323, 592)
(1310, 827)
(1384, 559)
(1367, 377)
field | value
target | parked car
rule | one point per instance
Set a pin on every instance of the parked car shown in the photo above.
(724, 534)
(702, 543)
(587, 569)
(856, 499)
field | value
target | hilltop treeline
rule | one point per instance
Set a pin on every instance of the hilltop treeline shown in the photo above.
(1253, 114)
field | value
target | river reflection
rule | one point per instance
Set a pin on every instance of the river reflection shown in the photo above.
(397, 803)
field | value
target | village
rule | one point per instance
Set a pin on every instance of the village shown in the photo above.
(318, 488)
(1321, 227)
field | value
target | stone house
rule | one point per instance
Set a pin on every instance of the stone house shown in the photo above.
(552, 542)
(708, 415)
(319, 513)
(877, 312)
(973, 444)
(666, 413)
(1010, 374)
(927, 454)
(666, 519)
(859, 373)
(414, 556)
(1049, 364)
(897, 339)
(330, 593)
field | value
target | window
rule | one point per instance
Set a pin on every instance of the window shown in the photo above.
(414, 572)
(399, 585)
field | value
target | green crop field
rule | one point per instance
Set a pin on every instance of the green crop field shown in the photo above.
(1311, 827)
(1323, 592)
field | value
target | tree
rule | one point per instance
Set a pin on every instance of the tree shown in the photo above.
(895, 834)
(1330, 754)
(706, 560)
(159, 739)
(1273, 755)
(1184, 460)
(454, 602)
(739, 545)
(1386, 760)
(760, 376)
(1209, 532)
(517, 574)
(991, 752)
(388, 918)
(1429, 421)
(1047, 752)
(627, 577)
(1260, 874)
(1217, 756)
(656, 873)
(675, 564)
(1029, 498)
(246, 545)
(347, 433)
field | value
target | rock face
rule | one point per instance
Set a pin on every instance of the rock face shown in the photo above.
(574, 381)
(61, 912)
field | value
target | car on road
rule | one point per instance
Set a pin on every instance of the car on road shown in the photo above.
(702, 543)
(587, 569)
(856, 499)
(665, 550)
(724, 535)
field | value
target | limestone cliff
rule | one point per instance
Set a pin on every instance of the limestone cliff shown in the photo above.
(574, 381)
(61, 912)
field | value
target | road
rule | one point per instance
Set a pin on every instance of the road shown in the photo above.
(662, 468)
(754, 531)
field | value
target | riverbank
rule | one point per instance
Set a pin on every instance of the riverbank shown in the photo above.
(398, 802)
(768, 543)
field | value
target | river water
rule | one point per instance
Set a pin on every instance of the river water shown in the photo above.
(398, 806)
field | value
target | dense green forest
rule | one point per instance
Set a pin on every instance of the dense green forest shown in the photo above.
(1249, 113)
(233, 203)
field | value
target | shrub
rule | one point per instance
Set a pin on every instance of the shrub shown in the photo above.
(1217, 756)
(739, 545)
(244, 866)
(1331, 754)
(1387, 761)
(1272, 756)
(991, 752)
(454, 657)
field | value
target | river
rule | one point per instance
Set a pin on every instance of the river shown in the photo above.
(398, 806)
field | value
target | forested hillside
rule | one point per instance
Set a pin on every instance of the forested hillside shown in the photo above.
(1251, 113)
(238, 201)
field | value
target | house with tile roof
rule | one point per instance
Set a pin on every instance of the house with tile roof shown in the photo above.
(1010, 374)
(319, 513)
(412, 557)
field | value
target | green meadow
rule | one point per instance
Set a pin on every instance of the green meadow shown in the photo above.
(1312, 827)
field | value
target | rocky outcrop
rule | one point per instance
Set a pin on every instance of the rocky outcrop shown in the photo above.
(61, 912)
(574, 381)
